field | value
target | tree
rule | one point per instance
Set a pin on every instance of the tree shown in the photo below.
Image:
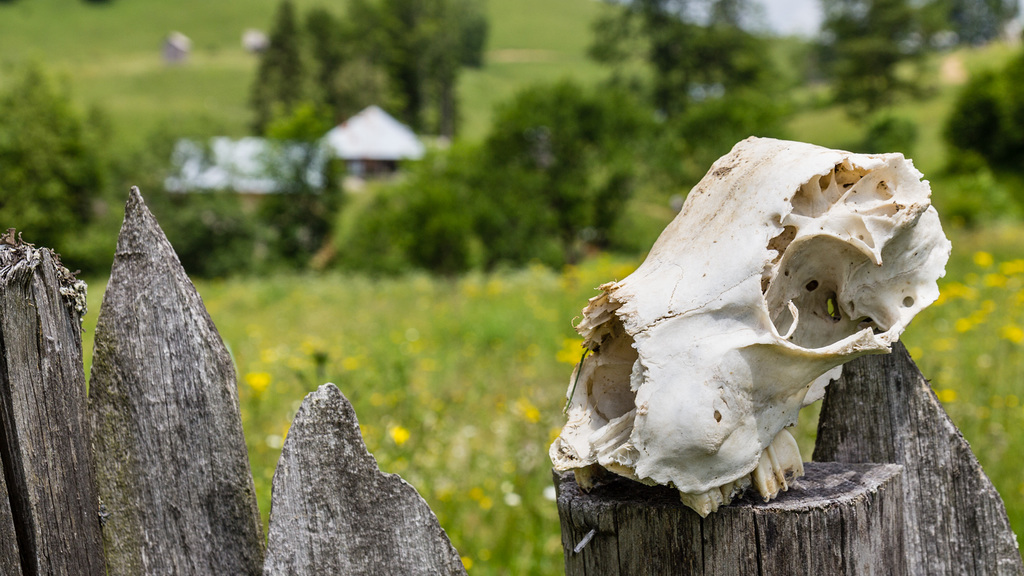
(281, 78)
(557, 165)
(691, 59)
(864, 43)
(421, 45)
(975, 22)
(53, 175)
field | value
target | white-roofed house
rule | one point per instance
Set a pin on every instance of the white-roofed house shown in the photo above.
(372, 142)
(248, 166)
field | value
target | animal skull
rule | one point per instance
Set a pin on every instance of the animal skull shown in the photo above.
(786, 261)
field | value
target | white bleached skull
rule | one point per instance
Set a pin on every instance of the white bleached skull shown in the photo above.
(786, 261)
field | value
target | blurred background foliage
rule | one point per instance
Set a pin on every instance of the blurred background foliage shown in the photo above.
(562, 138)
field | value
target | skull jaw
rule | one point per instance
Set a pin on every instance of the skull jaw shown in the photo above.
(778, 466)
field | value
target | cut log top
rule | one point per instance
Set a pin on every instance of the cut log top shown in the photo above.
(18, 259)
(822, 483)
(828, 522)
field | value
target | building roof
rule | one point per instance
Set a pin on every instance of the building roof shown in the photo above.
(250, 165)
(373, 135)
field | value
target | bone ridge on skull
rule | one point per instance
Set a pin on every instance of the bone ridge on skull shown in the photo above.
(786, 261)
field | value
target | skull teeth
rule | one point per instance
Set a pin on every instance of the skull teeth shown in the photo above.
(779, 465)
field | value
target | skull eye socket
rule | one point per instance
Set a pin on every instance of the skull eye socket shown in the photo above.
(833, 308)
(812, 285)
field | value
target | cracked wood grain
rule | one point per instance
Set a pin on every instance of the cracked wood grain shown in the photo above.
(49, 521)
(173, 469)
(334, 512)
(883, 410)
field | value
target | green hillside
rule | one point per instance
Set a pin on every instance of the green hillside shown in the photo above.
(109, 54)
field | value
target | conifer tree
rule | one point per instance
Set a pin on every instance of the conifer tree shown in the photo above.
(280, 80)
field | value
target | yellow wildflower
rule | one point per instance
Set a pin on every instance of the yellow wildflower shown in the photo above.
(467, 562)
(571, 352)
(995, 280)
(963, 325)
(258, 381)
(1013, 333)
(528, 410)
(946, 395)
(399, 435)
(1011, 268)
(983, 259)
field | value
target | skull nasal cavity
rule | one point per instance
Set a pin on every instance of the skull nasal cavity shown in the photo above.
(812, 285)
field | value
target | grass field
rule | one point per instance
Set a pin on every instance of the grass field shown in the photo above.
(459, 383)
(109, 54)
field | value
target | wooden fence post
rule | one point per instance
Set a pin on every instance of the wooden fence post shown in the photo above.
(48, 490)
(883, 410)
(940, 516)
(173, 469)
(10, 560)
(837, 519)
(334, 512)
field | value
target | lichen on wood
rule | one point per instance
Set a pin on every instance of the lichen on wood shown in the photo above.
(48, 490)
(334, 512)
(174, 472)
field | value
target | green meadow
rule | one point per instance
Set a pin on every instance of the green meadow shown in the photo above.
(459, 382)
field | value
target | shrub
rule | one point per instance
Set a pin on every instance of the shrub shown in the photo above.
(558, 167)
(988, 117)
(553, 177)
(52, 171)
(427, 221)
(890, 133)
(973, 196)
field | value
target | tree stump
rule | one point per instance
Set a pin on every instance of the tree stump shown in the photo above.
(49, 489)
(837, 519)
(173, 469)
(883, 410)
(334, 512)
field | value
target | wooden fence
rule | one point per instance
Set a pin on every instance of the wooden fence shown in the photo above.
(894, 489)
(149, 474)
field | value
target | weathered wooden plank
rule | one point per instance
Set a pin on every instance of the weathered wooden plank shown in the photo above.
(883, 410)
(837, 519)
(334, 512)
(173, 469)
(44, 430)
(10, 561)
